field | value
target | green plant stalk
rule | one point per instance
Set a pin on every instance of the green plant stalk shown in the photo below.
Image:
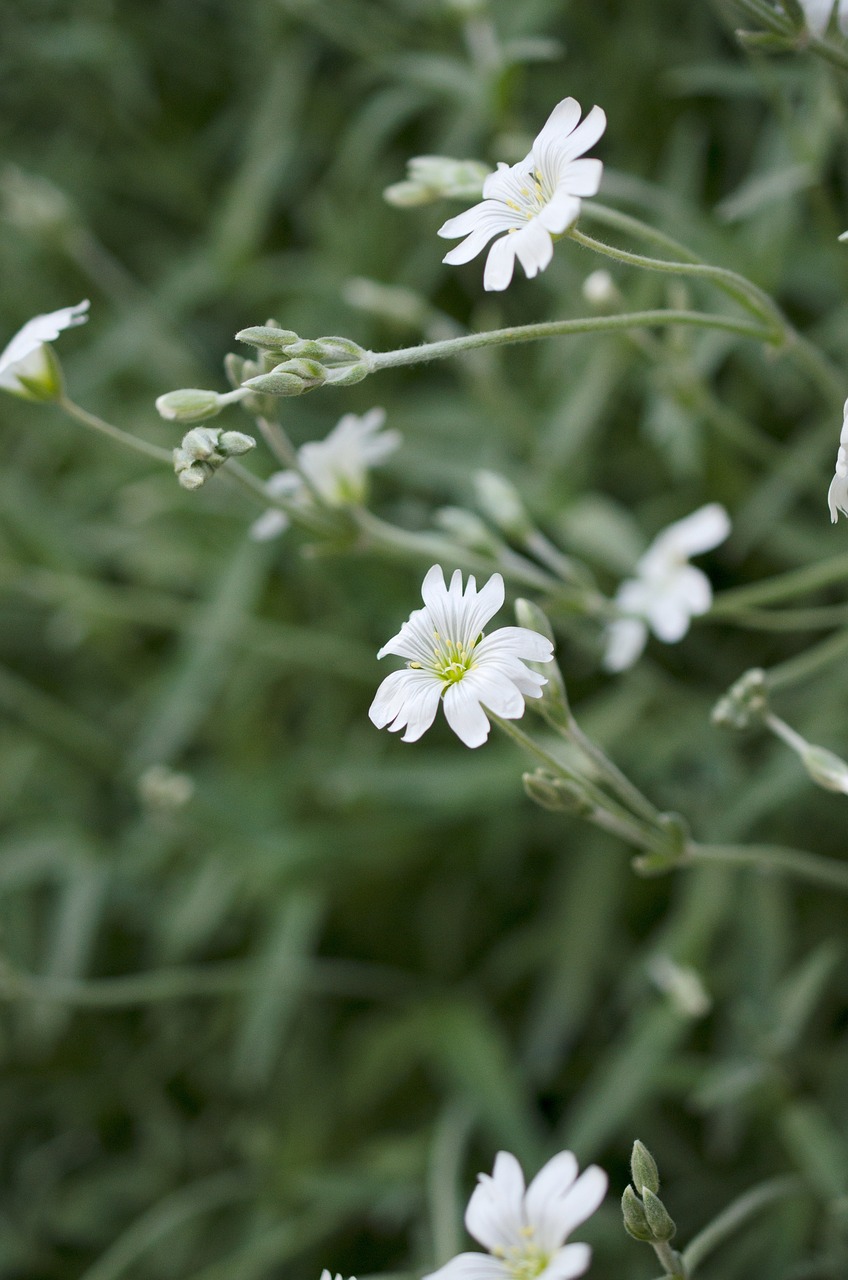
(811, 867)
(675, 1268)
(737, 1213)
(378, 360)
(114, 433)
(796, 670)
(781, 587)
(610, 772)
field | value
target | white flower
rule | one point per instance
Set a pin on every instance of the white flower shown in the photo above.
(837, 494)
(26, 355)
(525, 1231)
(450, 661)
(667, 591)
(325, 1275)
(817, 13)
(533, 200)
(335, 468)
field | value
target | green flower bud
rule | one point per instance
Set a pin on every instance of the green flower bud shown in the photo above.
(40, 378)
(501, 502)
(825, 768)
(346, 375)
(659, 1219)
(635, 1222)
(235, 367)
(267, 337)
(233, 443)
(643, 1168)
(277, 383)
(560, 795)
(188, 405)
(467, 529)
(199, 444)
(194, 476)
(746, 699)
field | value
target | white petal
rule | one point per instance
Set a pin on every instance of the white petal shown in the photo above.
(483, 605)
(406, 700)
(582, 1200)
(702, 531)
(559, 123)
(495, 1211)
(583, 177)
(495, 692)
(533, 247)
(479, 215)
(43, 328)
(669, 619)
(467, 719)
(519, 642)
(560, 212)
(692, 588)
(544, 1196)
(837, 497)
(625, 640)
(269, 525)
(470, 1266)
(500, 265)
(586, 134)
(566, 1263)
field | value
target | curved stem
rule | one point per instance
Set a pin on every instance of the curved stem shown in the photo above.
(812, 867)
(795, 670)
(378, 360)
(736, 1214)
(611, 773)
(114, 433)
(741, 290)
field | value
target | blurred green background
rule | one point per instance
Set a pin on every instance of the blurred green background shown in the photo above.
(282, 1025)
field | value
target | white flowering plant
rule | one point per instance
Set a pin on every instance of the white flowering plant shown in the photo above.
(275, 982)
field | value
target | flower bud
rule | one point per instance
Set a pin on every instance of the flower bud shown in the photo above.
(234, 443)
(346, 375)
(199, 444)
(557, 794)
(599, 289)
(188, 405)
(643, 1168)
(39, 376)
(501, 502)
(432, 178)
(161, 787)
(193, 476)
(291, 378)
(825, 768)
(267, 337)
(635, 1222)
(746, 699)
(467, 529)
(659, 1219)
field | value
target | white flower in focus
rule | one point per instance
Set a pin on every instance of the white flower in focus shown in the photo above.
(452, 662)
(525, 1231)
(667, 591)
(837, 494)
(26, 355)
(817, 13)
(528, 203)
(336, 469)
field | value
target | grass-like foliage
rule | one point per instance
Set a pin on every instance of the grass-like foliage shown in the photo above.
(274, 985)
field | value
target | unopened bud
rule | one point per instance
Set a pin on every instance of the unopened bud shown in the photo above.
(825, 768)
(643, 1168)
(267, 337)
(38, 376)
(188, 405)
(467, 529)
(432, 178)
(635, 1222)
(501, 502)
(161, 787)
(599, 289)
(560, 795)
(659, 1219)
(746, 699)
(192, 477)
(234, 443)
(199, 444)
(346, 375)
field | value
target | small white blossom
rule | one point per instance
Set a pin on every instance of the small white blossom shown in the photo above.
(837, 494)
(335, 468)
(667, 591)
(325, 1275)
(26, 356)
(531, 201)
(817, 13)
(450, 661)
(525, 1231)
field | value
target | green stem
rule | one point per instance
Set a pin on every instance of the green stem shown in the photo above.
(781, 587)
(278, 442)
(675, 1268)
(380, 534)
(796, 670)
(114, 433)
(611, 773)
(824, 618)
(811, 867)
(829, 51)
(737, 287)
(737, 1214)
(378, 360)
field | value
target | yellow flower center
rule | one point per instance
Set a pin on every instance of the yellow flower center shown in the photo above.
(523, 1262)
(450, 660)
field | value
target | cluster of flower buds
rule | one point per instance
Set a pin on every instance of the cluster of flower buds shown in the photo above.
(307, 363)
(204, 450)
(746, 700)
(645, 1216)
(430, 178)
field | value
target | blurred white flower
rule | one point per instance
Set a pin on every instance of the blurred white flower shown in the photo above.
(525, 1231)
(667, 591)
(837, 494)
(817, 13)
(27, 357)
(450, 661)
(336, 469)
(533, 200)
(325, 1275)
